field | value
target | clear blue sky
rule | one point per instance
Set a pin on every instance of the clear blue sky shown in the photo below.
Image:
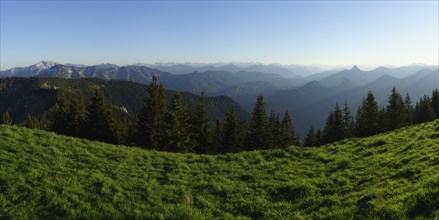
(121, 32)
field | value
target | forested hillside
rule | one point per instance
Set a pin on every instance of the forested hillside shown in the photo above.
(22, 96)
(387, 176)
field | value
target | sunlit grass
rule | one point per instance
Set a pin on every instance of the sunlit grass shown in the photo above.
(393, 175)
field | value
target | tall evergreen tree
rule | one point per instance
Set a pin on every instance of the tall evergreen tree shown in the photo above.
(382, 120)
(424, 111)
(409, 109)
(396, 112)
(334, 129)
(233, 135)
(178, 134)
(150, 129)
(76, 115)
(201, 127)
(217, 137)
(289, 136)
(6, 118)
(100, 121)
(367, 117)
(259, 134)
(348, 122)
(276, 129)
(310, 138)
(318, 138)
(60, 113)
(29, 122)
(435, 102)
(68, 114)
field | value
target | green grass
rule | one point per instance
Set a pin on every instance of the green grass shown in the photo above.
(388, 176)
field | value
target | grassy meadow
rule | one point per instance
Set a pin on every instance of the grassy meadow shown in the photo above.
(388, 176)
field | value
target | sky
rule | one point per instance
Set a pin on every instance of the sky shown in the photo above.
(288, 32)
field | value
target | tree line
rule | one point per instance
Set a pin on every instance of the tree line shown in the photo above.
(164, 126)
(370, 119)
(178, 128)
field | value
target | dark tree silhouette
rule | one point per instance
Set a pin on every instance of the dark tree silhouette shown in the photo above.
(367, 117)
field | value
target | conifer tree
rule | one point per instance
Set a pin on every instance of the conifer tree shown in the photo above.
(6, 118)
(409, 109)
(259, 134)
(76, 114)
(68, 114)
(200, 127)
(334, 129)
(382, 120)
(217, 137)
(100, 121)
(310, 138)
(178, 134)
(348, 122)
(150, 129)
(276, 130)
(423, 110)
(435, 102)
(396, 111)
(29, 122)
(318, 138)
(60, 114)
(233, 135)
(289, 136)
(329, 129)
(367, 117)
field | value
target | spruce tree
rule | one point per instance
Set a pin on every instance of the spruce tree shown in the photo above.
(76, 114)
(217, 137)
(334, 129)
(259, 134)
(60, 113)
(276, 130)
(409, 109)
(435, 102)
(68, 114)
(424, 111)
(382, 120)
(318, 138)
(29, 122)
(201, 127)
(6, 118)
(329, 129)
(367, 117)
(396, 112)
(233, 135)
(100, 121)
(348, 122)
(310, 138)
(289, 136)
(177, 132)
(150, 129)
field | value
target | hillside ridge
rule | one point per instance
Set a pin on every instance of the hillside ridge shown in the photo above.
(392, 175)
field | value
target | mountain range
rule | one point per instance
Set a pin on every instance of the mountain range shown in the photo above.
(311, 103)
(309, 97)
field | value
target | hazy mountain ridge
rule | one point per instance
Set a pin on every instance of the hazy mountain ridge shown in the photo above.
(310, 102)
(241, 85)
(416, 85)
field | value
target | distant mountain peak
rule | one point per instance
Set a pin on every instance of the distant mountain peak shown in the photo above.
(45, 64)
(355, 68)
(314, 84)
(106, 65)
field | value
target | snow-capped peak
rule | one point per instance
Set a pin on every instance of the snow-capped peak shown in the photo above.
(45, 64)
